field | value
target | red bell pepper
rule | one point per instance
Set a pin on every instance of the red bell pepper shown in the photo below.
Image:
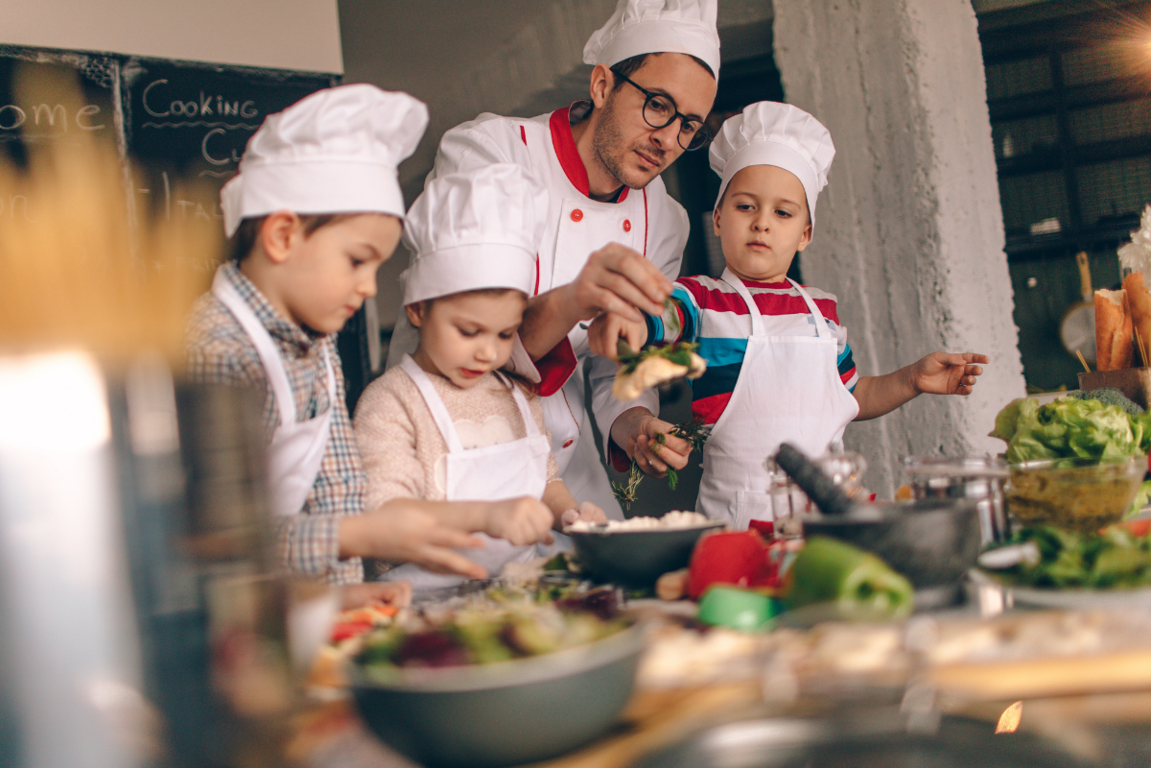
(741, 559)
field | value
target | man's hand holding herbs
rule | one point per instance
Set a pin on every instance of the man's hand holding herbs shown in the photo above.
(649, 442)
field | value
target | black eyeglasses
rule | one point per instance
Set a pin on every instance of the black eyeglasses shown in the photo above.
(660, 111)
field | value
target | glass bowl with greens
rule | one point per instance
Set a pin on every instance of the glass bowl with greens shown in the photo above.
(1076, 494)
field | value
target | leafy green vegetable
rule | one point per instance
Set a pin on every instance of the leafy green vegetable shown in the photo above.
(1114, 559)
(1067, 428)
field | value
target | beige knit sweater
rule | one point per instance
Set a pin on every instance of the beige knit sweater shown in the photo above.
(403, 451)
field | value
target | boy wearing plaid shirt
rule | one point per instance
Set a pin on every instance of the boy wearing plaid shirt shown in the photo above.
(314, 211)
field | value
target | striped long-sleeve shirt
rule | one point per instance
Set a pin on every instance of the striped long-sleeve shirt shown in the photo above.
(711, 312)
(220, 352)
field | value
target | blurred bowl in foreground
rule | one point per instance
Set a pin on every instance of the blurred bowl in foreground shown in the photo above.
(504, 713)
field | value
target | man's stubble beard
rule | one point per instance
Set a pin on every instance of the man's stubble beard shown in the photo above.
(607, 140)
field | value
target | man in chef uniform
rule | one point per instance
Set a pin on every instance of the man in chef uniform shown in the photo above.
(614, 237)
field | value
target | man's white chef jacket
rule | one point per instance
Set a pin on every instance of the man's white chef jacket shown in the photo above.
(646, 220)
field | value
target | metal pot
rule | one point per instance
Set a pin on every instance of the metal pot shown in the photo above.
(981, 478)
(871, 737)
(636, 559)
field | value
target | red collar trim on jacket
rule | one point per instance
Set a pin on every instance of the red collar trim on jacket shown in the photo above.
(566, 152)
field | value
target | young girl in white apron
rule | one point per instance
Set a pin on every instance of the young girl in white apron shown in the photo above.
(447, 424)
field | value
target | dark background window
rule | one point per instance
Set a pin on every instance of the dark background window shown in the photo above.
(1069, 94)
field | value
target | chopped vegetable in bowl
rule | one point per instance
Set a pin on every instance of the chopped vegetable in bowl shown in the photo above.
(487, 633)
(1112, 559)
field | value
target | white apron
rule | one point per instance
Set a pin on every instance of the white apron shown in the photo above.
(648, 221)
(494, 472)
(788, 390)
(297, 448)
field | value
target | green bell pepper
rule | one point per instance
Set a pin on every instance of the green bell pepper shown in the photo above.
(856, 583)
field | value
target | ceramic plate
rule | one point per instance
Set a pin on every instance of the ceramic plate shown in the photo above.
(1075, 599)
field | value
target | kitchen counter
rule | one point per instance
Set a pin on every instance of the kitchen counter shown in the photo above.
(1098, 705)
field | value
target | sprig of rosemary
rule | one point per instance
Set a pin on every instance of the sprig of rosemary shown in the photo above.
(695, 432)
(626, 491)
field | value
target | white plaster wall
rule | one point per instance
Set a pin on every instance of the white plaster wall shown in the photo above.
(281, 34)
(909, 232)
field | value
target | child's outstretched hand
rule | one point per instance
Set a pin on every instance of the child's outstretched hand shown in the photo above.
(401, 532)
(586, 512)
(521, 521)
(947, 373)
(605, 331)
(396, 593)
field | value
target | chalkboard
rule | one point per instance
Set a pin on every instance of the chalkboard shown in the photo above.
(190, 121)
(180, 126)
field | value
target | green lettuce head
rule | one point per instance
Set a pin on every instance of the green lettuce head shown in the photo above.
(1067, 428)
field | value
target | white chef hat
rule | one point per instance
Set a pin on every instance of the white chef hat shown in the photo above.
(335, 151)
(656, 26)
(771, 133)
(474, 230)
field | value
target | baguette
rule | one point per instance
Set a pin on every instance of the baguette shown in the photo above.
(1139, 302)
(1113, 346)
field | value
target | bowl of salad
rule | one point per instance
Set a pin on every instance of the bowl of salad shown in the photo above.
(1077, 462)
(497, 685)
(1077, 494)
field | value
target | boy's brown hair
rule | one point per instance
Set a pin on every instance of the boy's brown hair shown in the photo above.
(248, 233)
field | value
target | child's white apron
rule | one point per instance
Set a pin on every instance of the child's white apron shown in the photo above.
(491, 473)
(788, 390)
(297, 447)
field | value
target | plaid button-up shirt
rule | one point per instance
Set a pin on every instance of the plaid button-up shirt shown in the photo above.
(220, 352)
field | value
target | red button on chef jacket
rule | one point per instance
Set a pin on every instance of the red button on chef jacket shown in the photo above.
(627, 225)
(577, 215)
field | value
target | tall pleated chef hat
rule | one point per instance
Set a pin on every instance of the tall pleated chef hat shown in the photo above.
(656, 26)
(770, 133)
(473, 230)
(335, 151)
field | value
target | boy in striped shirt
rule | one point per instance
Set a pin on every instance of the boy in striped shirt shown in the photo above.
(779, 365)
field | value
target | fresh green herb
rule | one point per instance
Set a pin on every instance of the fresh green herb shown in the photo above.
(695, 432)
(626, 491)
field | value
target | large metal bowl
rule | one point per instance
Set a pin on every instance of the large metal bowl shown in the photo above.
(875, 737)
(637, 558)
(506, 713)
(932, 542)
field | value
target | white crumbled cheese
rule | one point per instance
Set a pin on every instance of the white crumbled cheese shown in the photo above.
(673, 519)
